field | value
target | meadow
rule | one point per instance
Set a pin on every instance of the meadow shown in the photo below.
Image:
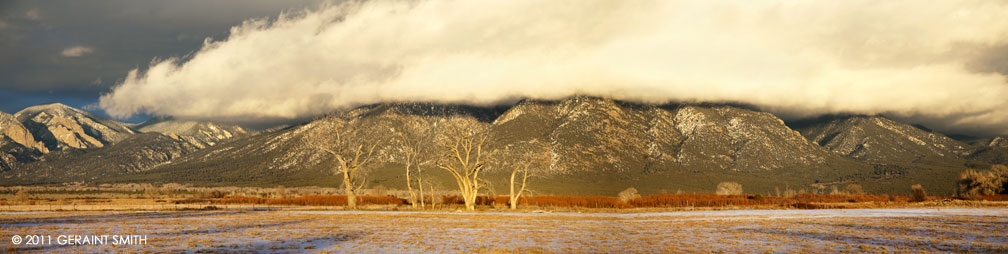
(911, 230)
(297, 220)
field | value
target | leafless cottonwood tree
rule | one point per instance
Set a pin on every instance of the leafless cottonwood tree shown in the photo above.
(466, 155)
(514, 196)
(412, 143)
(351, 150)
(531, 155)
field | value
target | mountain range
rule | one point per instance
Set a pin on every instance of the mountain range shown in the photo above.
(55, 143)
(585, 146)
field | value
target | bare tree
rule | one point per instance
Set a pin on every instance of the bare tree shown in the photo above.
(531, 155)
(628, 194)
(729, 188)
(351, 150)
(524, 179)
(412, 142)
(420, 186)
(465, 157)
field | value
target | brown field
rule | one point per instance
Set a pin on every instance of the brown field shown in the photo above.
(819, 231)
(303, 221)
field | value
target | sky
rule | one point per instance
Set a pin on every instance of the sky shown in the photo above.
(943, 64)
(71, 52)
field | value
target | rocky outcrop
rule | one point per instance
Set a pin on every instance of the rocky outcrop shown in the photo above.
(60, 127)
(199, 134)
(13, 131)
(998, 142)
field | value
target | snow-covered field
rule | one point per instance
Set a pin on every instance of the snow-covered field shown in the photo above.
(826, 231)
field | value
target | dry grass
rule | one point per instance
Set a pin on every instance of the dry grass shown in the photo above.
(658, 202)
(909, 231)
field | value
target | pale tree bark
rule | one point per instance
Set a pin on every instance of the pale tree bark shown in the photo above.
(351, 154)
(409, 185)
(433, 201)
(420, 186)
(530, 155)
(465, 160)
(412, 142)
(516, 195)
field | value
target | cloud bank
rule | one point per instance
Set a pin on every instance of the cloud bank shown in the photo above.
(941, 62)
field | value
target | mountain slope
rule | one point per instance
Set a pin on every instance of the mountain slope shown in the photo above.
(60, 127)
(879, 140)
(587, 146)
(901, 154)
(12, 154)
(993, 151)
(17, 145)
(55, 143)
(199, 134)
(13, 131)
(284, 156)
(596, 146)
(135, 153)
(601, 134)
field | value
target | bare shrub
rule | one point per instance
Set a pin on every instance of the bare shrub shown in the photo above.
(853, 189)
(835, 191)
(379, 190)
(152, 192)
(917, 193)
(1002, 173)
(210, 194)
(729, 188)
(628, 194)
(973, 184)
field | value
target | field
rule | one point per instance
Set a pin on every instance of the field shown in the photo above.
(296, 220)
(295, 231)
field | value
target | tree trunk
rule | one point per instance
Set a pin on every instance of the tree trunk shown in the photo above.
(409, 185)
(470, 201)
(433, 202)
(420, 185)
(349, 187)
(514, 199)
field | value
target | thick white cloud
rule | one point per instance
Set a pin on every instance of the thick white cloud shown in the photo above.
(797, 57)
(76, 51)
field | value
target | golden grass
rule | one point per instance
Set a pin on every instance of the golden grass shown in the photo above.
(286, 231)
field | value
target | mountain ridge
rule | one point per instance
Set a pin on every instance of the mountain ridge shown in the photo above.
(62, 127)
(594, 146)
(73, 145)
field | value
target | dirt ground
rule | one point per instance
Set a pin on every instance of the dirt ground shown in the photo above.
(819, 231)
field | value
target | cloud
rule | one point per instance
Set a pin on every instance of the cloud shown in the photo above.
(793, 57)
(76, 51)
(33, 14)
